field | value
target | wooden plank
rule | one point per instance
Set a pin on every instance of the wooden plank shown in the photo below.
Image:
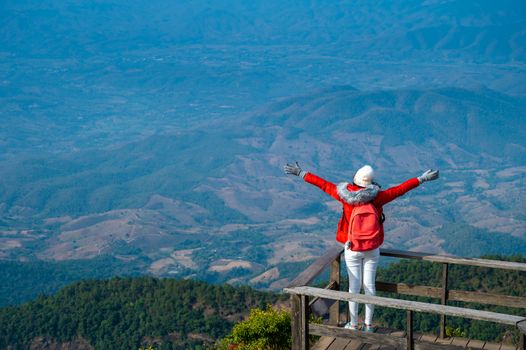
(497, 264)
(408, 289)
(453, 295)
(475, 344)
(521, 325)
(371, 338)
(417, 336)
(378, 346)
(420, 345)
(522, 336)
(334, 311)
(508, 347)
(410, 343)
(491, 346)
(398, 333)
(355, 345)
(460, 341)
(339, 344)
(295, 305)
(444, 341)
(430, 338)
(408, 305)
(443, 298)
(323, 343)
(385, 331)
(320, 306)
(487, 298)
(316, 267)
(331, 285)
(344, 315)
(366, 346)
(305, 311)
(386, 347)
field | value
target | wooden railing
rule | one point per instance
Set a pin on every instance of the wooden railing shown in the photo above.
(301, 300)
(444, 293)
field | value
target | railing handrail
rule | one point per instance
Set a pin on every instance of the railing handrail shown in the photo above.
(314, 269)
(408, 305)
(311, 272)
(451, 259)
(320, 264)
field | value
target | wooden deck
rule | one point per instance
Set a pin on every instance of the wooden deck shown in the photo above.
(306, 300)
(330, 343)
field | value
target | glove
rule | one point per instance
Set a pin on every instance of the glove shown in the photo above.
(294, 170)
(429, 175)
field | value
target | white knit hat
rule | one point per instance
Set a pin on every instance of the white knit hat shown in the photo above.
(364, 176)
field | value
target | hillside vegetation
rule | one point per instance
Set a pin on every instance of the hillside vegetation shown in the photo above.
(33, 278)
(130, 312)
(126, 313)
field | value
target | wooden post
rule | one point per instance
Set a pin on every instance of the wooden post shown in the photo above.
(409, 330)
(334, 311)
(443, 298)
(295, 306)
(522, 336)
(304, 322)
(347, 313)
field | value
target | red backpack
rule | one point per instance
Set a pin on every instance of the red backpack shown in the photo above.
(364, 223)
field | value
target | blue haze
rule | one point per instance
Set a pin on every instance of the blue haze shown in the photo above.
(105, 105)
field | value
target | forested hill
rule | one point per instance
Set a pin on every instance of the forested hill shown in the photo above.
(127, 313)
(33, 278)
(130, 313)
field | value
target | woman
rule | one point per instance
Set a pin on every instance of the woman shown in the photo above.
(361, 227)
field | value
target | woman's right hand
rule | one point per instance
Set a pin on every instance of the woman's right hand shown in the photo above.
(429, 175)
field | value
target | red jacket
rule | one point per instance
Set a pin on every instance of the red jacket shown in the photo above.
(382, 198)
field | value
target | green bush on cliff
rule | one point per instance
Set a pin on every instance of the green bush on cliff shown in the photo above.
(263, 330)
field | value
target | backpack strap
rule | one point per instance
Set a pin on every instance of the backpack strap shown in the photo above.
(349, 229)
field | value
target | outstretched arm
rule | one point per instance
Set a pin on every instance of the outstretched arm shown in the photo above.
(324, 185)
(392, 193)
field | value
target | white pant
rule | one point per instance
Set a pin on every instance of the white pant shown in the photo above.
(361, 268)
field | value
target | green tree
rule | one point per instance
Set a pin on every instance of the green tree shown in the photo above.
(263, 330)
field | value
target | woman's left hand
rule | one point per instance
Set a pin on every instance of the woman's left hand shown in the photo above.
(294, 169)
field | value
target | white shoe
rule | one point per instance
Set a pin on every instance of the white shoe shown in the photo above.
(351, 327)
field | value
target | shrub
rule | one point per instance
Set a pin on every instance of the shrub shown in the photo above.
(263, 330)
(455, 332)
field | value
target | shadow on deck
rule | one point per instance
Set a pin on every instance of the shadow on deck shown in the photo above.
(306, 300)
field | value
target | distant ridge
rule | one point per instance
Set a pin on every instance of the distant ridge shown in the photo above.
(485, 31)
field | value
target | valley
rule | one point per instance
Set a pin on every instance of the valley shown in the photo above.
(225, 212)
(156, 141)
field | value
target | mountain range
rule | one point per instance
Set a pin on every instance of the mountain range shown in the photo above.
(214, 200)
(156, 132)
